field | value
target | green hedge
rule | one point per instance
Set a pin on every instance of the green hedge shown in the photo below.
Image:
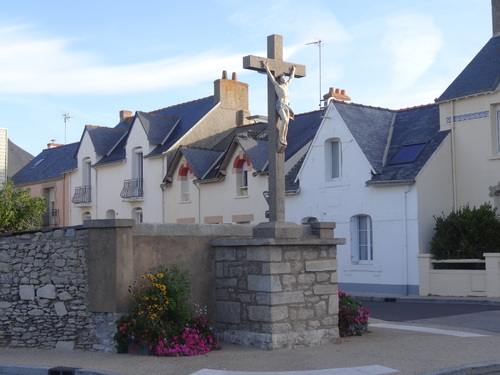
(466, 233)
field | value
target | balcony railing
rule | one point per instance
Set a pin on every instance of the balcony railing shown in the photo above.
(82, 195)
(132, 188)
(50, 219)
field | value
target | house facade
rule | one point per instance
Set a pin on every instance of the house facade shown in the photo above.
(48, 175)
(120, 169)
(470, 110)
(369, 170)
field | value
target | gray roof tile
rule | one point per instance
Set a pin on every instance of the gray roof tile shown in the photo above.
(50, 164)
(480, 76)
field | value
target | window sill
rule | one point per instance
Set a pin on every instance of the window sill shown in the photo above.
(184, 202)
(495, 157)
(334, 182)
(241, 196)
(138, 199)
(368, 267)
(83, 204)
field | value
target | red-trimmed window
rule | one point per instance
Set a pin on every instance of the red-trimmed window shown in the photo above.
(185, 174)
(240, 166)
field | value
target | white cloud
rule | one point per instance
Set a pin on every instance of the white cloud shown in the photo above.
(412, 42)
(35, 64)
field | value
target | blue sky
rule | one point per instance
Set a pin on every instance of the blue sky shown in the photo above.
(93, 58)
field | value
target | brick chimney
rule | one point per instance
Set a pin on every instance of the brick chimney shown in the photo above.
(336, 94)
(53, 144)
(232, 94)
(495, 15)
(124, 115)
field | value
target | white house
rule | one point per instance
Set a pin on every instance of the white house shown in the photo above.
(379, 175)
(120, 169)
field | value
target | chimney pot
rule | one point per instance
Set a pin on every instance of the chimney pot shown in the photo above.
(342, 92)
(235, 76)
(224, 74)
(337, 91)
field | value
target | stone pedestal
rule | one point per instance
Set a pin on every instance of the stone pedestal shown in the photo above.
(275, 293)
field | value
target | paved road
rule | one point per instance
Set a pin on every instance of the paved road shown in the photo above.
(463, 316)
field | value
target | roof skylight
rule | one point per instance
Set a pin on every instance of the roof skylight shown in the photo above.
(407, 153)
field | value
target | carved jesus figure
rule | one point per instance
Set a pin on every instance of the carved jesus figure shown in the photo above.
(282, 104)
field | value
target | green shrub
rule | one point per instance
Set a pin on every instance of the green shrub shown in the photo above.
(466, 233)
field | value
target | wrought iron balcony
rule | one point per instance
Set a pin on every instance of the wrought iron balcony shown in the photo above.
(132, 188)
(82, 195)
(50, 219)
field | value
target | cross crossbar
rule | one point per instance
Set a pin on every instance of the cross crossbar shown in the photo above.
(252, 62)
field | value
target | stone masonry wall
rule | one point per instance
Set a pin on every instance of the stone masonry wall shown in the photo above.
(275, 294)
(43, 292)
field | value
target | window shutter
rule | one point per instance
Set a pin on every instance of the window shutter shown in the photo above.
(354, 240)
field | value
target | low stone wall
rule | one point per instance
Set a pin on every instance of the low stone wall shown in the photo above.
(66, 288)
(43, 292)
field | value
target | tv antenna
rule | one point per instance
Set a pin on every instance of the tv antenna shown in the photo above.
(319, 42)
(66, 117)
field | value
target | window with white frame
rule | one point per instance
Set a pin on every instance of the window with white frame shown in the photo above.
(241, 165)
(333, 159)
(137, 215)
(244, 179)
(86, 172)
(498, 132)
(361, 239)
(185, 179)
(137, 164)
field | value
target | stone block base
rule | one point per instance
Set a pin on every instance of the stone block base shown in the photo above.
(273, 341)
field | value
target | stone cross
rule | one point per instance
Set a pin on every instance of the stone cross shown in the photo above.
(276, 160)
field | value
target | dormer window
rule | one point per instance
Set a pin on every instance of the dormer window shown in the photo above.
(185, 175)
(240, 168)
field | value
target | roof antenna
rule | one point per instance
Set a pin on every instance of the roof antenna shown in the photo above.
(66, 119)
(318, 43)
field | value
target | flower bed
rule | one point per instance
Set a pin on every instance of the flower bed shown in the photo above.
(353, 316)
(162, 322)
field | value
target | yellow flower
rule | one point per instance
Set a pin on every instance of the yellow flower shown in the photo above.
(143, 277)
(160, 275)
(153, 316)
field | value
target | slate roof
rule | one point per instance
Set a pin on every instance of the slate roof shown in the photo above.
(50, 164)
(480, 76)
(255, 150)
(17, 159)
(370, 127)
(252, 139)
(157, 127)
(104, 139)
(419, 125)
(302, 130)
(189, 113)
(163, 127)
(200, 160)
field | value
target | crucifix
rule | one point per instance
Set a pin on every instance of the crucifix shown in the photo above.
(276, 69)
